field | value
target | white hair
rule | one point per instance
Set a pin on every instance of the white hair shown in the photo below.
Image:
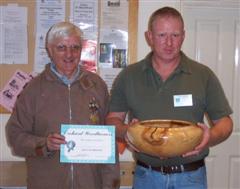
(63, 29)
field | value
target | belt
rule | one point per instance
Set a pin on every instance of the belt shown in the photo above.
(174, 168)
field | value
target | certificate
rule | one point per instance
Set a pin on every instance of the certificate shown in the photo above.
(88, 144)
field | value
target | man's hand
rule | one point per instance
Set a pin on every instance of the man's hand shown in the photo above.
(204, 142)
(54, 140)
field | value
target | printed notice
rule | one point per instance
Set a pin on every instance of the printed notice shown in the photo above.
(13, 35)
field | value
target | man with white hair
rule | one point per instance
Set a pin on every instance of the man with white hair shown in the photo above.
(63, 93)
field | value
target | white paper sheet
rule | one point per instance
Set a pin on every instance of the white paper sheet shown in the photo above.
(84, 13)
(109, 75)
(48, 13)
(112, 12)
(13, 35)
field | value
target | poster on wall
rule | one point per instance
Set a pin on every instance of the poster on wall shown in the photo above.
(13, 35)
(113, 38)
(108, 75)
(84, 14)
(112, 57)
(10, 92)
(48, 12)
(113, 43)
(89, 55)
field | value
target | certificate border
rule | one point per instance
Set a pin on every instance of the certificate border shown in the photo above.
(110, 128)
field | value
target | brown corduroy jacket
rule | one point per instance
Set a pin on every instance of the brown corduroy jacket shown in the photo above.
(41, 108)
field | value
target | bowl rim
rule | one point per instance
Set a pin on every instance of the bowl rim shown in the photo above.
(171, 122)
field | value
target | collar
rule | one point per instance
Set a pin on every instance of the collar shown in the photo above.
(182, 67)
(63, 78)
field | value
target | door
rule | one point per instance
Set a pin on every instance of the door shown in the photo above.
(213, 38)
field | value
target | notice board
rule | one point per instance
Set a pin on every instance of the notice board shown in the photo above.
(7, 70)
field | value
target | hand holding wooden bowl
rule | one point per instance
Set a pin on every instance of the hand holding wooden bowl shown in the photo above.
(164, 138)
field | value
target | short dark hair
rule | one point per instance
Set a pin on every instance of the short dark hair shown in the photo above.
(164, 12)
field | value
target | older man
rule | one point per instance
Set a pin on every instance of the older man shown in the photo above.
(63, 93)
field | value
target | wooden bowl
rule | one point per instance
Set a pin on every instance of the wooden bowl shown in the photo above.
(164, 138)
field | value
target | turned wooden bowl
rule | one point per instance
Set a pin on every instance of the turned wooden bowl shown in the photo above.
(164, 138)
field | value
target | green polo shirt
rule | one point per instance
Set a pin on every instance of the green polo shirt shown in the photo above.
(189, 92)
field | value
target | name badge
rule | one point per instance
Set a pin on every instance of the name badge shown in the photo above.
(182, 100)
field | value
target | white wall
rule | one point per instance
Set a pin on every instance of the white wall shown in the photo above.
(5, 152)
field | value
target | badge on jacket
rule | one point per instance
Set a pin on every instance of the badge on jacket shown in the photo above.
(94, 111)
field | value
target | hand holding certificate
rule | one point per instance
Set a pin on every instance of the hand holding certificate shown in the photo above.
(88, 144)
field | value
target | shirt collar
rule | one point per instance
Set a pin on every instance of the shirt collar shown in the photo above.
(182, 67)
(63, 78)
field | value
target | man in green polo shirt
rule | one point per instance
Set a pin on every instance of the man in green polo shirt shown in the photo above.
(169, 85)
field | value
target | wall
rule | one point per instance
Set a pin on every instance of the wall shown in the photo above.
(5, 152)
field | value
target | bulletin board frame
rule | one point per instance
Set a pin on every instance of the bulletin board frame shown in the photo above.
(7, 70)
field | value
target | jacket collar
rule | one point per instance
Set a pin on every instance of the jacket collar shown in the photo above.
(83, 77)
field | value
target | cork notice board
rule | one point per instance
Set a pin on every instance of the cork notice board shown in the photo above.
(7, 70)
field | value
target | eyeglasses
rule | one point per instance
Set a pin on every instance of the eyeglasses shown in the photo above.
(73, 48)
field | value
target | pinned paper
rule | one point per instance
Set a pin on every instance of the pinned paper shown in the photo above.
(12, 89)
